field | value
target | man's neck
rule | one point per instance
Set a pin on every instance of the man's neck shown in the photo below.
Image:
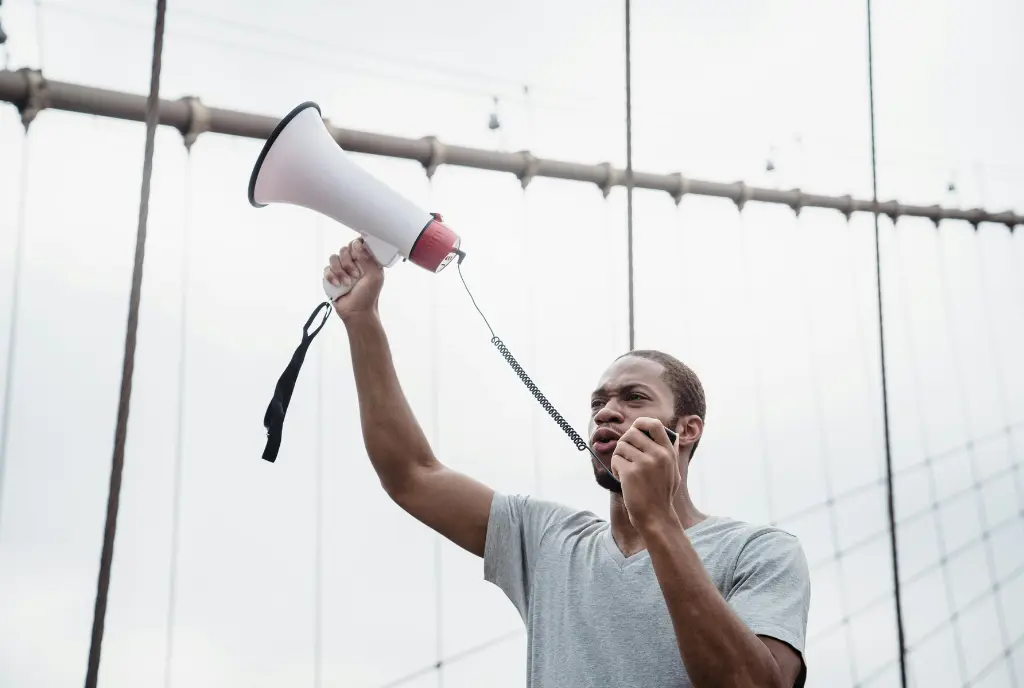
(626, 536)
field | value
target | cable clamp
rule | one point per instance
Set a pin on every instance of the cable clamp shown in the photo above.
(37, 97)
(610, 178)
(682, 188)
(530, 166)
(436, 157)
(198, 120)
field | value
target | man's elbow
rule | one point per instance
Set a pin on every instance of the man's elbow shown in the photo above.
(405, 484)
(758, 674)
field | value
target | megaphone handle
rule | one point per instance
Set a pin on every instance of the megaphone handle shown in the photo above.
(385, 254)
(335, 292)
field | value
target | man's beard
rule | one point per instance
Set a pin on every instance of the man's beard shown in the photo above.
(604, 479)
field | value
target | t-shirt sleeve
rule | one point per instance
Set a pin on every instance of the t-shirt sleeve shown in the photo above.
(771, 591)
(516, 530)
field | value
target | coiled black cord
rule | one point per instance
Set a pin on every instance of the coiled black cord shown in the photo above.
(581, 444)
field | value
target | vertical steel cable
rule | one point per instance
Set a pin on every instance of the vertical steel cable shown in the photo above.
(885, 389)
(117, 463)
(629, 170)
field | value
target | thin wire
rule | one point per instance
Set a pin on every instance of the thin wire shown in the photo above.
(435, 428)
(972, 462)
(862, 340)
(117, 467)
(927, 463)
(686, 337)
(459, 656)
(890, 496)
(804, 288)
(12, 333)
(560, 100)
(629, 171)
(952, 618)
(994, 352)
(38, 7)
(911, 518)
(580, 443)
(762, 433)
(993, 663)
(179, 441)
(1011, 453)
(318, 546)
(531, 300)
(940, 534)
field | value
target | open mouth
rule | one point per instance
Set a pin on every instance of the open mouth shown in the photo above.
(604, 440)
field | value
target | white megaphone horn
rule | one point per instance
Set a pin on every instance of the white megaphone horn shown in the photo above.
(301, 164)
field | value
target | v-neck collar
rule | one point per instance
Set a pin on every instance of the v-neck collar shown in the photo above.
(622, 561)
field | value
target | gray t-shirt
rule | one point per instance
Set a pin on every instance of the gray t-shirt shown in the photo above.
(595, 618)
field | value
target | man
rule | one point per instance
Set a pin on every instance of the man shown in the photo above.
(660, 595)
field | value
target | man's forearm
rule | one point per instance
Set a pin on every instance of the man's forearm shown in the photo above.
(394, 440)
(715, 645)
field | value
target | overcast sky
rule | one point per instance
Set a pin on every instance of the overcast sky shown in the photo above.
(776, 313)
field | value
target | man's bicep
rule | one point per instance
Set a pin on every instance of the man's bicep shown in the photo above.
(789, 661)
(451, 503)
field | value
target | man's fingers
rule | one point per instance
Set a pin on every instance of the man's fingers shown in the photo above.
(331, 277)
(339, 272)
(635, 438)
(362, 255)
(627, 452)
(616, 466)
(655, 430)
(348, 263)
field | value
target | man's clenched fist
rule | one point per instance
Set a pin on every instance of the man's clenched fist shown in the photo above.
(355, 267)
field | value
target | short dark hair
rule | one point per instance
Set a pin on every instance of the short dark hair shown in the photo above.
(684, 383)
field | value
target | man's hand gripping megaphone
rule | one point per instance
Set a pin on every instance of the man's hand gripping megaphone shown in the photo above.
(353, 279)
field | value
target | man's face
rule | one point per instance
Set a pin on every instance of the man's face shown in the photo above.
(632, 387)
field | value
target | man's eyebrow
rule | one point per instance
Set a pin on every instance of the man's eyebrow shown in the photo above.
(626, 387)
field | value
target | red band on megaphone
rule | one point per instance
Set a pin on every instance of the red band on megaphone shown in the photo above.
(433, 245)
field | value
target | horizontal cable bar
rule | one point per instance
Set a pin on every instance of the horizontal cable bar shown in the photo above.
(31, 93)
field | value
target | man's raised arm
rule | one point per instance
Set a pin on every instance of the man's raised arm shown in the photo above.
(454, 505)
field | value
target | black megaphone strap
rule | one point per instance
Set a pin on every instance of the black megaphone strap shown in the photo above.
(273, 419)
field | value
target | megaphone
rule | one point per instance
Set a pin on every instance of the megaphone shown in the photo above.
(301, 164)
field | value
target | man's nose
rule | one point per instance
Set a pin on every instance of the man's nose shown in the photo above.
(608, 414)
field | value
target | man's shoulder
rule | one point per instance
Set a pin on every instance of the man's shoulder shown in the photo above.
(746, 531)
(745, 540)
(543, 513)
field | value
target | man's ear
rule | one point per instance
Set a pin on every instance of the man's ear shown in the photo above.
(690, 429)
